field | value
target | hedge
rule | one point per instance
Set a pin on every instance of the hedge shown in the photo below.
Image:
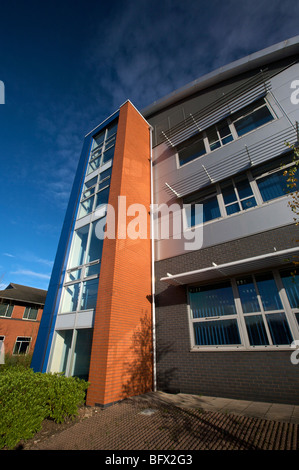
(28, 397)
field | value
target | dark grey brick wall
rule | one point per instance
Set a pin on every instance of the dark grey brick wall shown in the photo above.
(249, 375)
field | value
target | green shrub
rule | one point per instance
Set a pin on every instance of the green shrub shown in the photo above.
(27, 398)
(20, 361)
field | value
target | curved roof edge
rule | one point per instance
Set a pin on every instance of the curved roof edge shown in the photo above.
(265, 56)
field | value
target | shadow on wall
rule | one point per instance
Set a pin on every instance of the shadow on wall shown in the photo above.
(140, 369)
(167, 378)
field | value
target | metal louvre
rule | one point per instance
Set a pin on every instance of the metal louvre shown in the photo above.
(254, 88)
(251, 155)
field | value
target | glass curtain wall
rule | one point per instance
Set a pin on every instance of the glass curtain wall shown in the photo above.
(71, 351)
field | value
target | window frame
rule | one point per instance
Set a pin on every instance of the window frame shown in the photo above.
(239, 316)
(96, 190)
(256, 193)
(26, 317)
(98, 151)
(229, 121)
(8, 311)
(22, 339)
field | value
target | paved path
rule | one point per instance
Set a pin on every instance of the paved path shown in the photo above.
(159, 421)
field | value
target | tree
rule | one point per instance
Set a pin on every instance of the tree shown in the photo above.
(291, 175)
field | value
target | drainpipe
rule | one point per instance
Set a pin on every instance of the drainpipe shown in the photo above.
(152, 232)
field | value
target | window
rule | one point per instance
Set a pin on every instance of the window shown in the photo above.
(89, 294)
(245, 191)
(82, 352)
(102, 197)
(30, 313)
(246, 311)
(95, 193)
(237, 195)
(70, 298)
(195, 148)
(215, 307)
(71, 352)
(227, 130)
(270, 178)
(219, 135)
(6, 310)
(103, 148)
(89, 188)
(79, 246)
(22, 345)
(210, 208)
(290, 282)
(251, 118)
(95, 245)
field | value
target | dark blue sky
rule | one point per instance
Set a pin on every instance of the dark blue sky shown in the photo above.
(68, 64)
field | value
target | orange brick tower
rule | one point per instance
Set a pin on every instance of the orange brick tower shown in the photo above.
(121, 356)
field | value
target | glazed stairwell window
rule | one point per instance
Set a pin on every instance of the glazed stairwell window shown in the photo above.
(103, 148)
(225, 131)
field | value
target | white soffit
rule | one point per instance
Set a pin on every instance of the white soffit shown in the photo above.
(275, 258)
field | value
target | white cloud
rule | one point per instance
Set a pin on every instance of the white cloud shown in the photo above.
(158, 47)
(27, 272)
(9, 255)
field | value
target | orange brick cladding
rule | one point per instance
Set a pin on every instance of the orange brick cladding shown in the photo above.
(121, 356)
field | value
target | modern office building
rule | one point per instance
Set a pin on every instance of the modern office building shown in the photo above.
(197, 295)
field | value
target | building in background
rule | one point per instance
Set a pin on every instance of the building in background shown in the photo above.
(21, 309)
(219, 316)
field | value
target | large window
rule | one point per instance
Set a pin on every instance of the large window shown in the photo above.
(71, 352)
(240, 193)
(248, 311)
(227, 130)
(95, 193)
(215, 307)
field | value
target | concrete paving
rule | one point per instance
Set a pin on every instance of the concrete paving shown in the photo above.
(271, 411)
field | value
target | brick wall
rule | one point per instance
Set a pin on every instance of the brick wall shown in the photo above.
(249, 375)
(15, 326)
(121, 357)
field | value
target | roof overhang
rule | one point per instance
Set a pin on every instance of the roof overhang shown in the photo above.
(234, 268)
